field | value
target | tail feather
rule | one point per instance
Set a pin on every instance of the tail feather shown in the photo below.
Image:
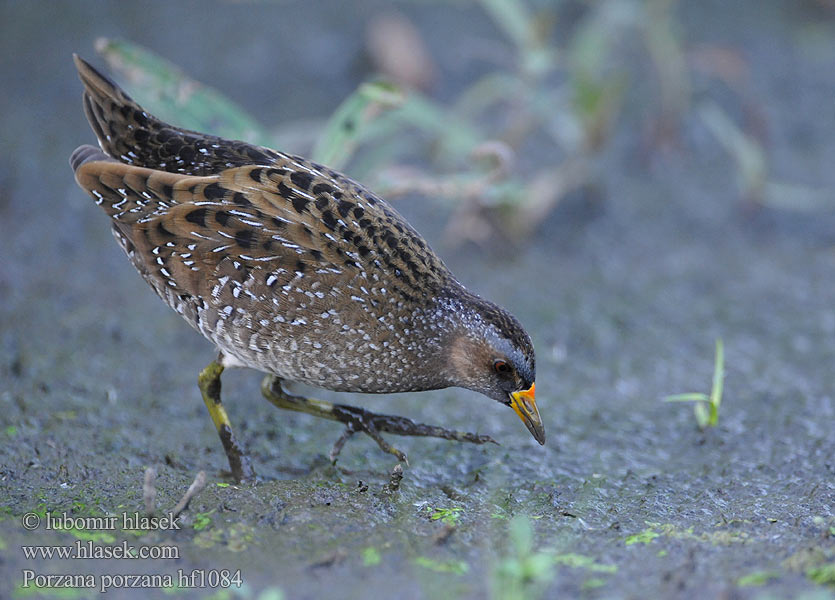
(126, 132)
(112, 114)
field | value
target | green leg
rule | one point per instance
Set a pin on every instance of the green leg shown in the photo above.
(360, 420)
(209, 382)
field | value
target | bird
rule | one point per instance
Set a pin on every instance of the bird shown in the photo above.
(295, 270)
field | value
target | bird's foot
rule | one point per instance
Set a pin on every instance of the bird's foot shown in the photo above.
(372, 424)
(359, 420)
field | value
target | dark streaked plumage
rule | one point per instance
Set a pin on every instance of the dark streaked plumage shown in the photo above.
(289, 267)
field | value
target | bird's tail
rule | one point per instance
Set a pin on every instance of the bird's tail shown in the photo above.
(120, 124)
(129, 134)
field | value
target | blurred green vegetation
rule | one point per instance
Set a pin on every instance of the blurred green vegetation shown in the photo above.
(523, 573)
(175, 98)
(563, 99)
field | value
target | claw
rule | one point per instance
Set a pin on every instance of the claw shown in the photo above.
(338, 444)
(361, 425)
(386, 447)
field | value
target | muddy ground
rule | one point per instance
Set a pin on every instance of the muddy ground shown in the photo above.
(624, 292)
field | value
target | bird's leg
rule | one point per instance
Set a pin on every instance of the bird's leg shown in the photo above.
(209, 382)
(361, 420)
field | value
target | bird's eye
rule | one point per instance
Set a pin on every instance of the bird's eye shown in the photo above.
(501, 367)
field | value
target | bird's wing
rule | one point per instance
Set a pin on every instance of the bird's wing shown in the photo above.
(270, 222)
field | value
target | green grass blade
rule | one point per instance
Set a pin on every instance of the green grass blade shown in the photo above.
(718, 382)
(525, 31)
(457, 138)
(511, 16)
(702, 415)
(165, 90)
(689, 397)
(454, 137)
(490, 90)
(746, 150)
(350, 122)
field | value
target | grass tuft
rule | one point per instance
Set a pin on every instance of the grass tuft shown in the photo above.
(706, 407)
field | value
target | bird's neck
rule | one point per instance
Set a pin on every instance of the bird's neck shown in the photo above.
(454, 338)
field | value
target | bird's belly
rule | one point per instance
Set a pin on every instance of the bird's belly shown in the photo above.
(369, 356)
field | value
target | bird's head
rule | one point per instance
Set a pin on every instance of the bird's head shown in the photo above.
(491, 353)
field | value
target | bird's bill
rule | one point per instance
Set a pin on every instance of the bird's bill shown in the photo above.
(524, 403)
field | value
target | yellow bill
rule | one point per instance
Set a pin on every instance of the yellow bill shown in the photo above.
(524, 403)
